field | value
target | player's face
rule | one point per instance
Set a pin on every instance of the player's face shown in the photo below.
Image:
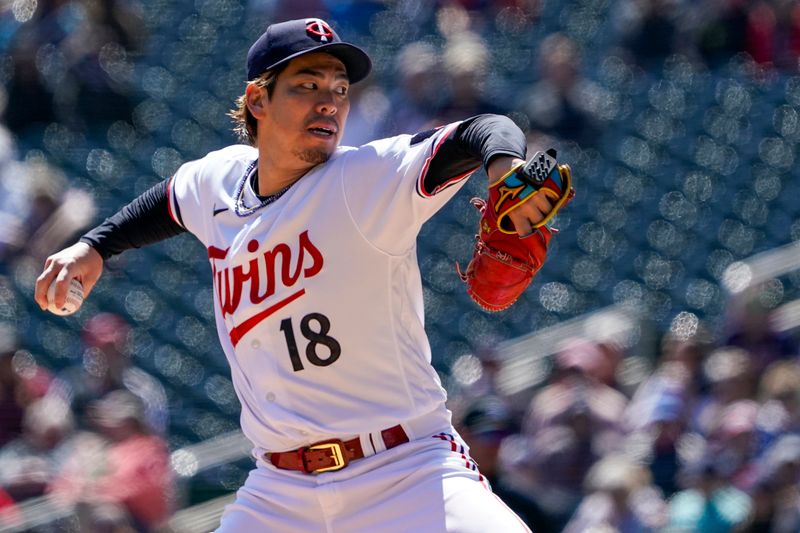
(307, 112)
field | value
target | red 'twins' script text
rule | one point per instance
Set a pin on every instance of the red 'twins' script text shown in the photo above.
(262, 271)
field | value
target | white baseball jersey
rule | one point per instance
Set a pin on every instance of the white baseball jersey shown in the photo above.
(317, 295)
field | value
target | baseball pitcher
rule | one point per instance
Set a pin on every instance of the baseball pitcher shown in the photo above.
(318, 296)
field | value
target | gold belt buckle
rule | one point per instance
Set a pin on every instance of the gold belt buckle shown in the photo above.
(337, 454)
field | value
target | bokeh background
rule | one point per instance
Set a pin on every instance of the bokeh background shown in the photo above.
(648, 379)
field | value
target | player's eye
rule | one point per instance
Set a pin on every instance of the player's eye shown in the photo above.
(309, 85)
(342, 91)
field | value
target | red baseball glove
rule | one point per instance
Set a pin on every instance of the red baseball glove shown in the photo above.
(504, 264)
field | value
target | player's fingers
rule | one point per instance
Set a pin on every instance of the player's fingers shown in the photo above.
(43, 282)
(521, 221)
(91, 269)
(62, 282)
(536, 208)
(80, 261)
(542, 203)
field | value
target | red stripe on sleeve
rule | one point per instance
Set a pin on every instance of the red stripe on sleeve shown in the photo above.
(171, 198)
(421, 181)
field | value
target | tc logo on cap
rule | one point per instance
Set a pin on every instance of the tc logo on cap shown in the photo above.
(319, 30)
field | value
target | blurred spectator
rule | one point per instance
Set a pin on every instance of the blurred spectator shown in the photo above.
(619, 497)
(30, 463)
(10, 409)
(572, 422)
(31, 193)
(659, 439)
(477, 376)
(730, 377)
(107, 367)
(100, 517)
(735, 26)
(466, 64)
(98, 50)
(485, 425)
(21, 382)
(649, 30)
(668, 383)
(734, 442)
(790, 17)
(678, 373)
(761, 33)
(38, 209)
(709, 503)
(9, 514)
(132, 475)
(687, 354)
(749, 326)
(559, 104)
(776, 495)
(779, 413)
(657, 416)
(576, 384)
(723, 32)
(416, 95)
(611, 355)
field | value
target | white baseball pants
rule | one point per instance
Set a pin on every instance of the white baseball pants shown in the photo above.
(425, 486)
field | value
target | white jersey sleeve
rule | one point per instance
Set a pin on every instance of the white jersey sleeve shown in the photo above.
(385, 192)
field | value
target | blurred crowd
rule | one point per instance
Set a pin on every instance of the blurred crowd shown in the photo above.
(73, 61)
(433, 84)
(68, 61)
(90, 436)
(708, 441)
(39, 209)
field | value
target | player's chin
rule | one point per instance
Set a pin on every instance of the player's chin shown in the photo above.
(314, 156)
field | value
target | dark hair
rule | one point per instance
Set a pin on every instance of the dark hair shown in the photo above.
(245, 125)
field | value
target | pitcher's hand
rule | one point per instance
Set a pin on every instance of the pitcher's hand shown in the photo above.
(529, 213)
(80, 261)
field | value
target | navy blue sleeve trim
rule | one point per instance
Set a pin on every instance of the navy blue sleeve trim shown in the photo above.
(421, 136)
(146, 220)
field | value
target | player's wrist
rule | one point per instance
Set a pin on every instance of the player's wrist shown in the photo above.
(502, 165)
(92, 247)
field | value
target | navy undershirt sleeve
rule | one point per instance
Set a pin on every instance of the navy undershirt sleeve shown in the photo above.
(145, 220)
(476, 140)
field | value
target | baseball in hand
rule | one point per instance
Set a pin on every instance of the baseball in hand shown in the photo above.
(73, 302)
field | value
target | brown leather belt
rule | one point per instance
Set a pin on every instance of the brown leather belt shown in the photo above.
(330, 455)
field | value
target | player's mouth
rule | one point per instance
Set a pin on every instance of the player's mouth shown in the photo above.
(324, 130)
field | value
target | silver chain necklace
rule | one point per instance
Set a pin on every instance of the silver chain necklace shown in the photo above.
(242, 210)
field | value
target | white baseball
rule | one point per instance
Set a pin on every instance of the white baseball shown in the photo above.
(73, 302)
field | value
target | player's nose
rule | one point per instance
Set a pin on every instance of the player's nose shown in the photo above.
(326, 104)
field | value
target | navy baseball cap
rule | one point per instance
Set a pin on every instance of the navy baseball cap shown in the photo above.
(284, 41)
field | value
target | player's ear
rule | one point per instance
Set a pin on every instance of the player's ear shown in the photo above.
(254, 98)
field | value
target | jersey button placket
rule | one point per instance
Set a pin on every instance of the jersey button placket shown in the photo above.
(255, 344)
